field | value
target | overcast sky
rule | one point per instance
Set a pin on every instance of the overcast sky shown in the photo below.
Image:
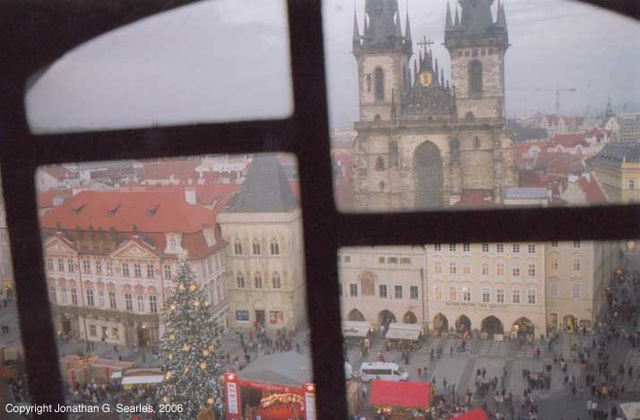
(228, 60)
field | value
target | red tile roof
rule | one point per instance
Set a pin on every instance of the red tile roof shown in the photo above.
(45, 198)
(475, 199)
(568, 140)
(182, 170)
(149, 211)
(59, 172)
(593, 192)
(559, 163)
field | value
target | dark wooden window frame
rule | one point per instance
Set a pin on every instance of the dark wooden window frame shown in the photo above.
(35, 33)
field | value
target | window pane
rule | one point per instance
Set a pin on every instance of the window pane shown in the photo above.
(496, 316)
(428, 113)
(212, 61)
(142, 232)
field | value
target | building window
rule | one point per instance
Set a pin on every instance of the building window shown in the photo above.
(109, 268)
(93, 331)
(64, 297)
(500, 248)
(452, 247)
(452, 268)
(60, 265)
(466, 294)
(577, 265)
(150, 271)
(90, 301)
(86, 266)
(531, 270)
(575, 291)
(632, 184)
(347, 258)
(381, 260)
(50, 264)
(516, 248)
(466, 268)
(379, 82)
(554, 264)
(485, 247)
(553, 290)
(242, 315)
(392, 260)
(393, 153)
(398, 291)
(153, 304)
(275, 247)
(137, 270)
(516, 271)
(125, 269)
(276, 317)
(475, 77)
(500, 269)
(353, 290)
(437, 267)
(167, 271)
(98, 267)
(256, 247)
(52, 294)
(277, 283)
(437, 247)
(112, 300)
(576, 244)
(74, 296)
(413, 292)
(115, 333)
(379, 164)
(101, 298)
(405, 260)
(257, 281)
(532, 249)
(453, 294)
(531, 296)
(554, 244)
(70, 265)
(140, 303)
(237, 247)
(240, 280)
(486, 295)
(382, 291)
(466, 247)
(516, 296)
(485, 269)
(128, 302)
(500, 295)
(437, 292)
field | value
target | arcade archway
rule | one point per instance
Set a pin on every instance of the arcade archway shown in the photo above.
(492, 325)
(523, 328)
(441, 324)
(570, 323)
(463, 324)
(355, 315)
(386, 317)
(409, 318)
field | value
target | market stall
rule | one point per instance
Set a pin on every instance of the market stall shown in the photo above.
(477, 414)
(400, 400)
(274, 387)
(80, 370)
(143, 377)
(404, 336)
(356, 332)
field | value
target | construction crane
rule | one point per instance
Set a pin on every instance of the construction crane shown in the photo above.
(557, 90)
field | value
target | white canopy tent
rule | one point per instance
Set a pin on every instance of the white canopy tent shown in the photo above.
(631, 410)
(356, 329)
(398, 331)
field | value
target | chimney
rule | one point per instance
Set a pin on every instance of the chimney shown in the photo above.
(190, 195)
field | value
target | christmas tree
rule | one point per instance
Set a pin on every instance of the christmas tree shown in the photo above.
(192, 371)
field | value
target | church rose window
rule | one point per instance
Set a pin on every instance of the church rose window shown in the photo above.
(275, 97)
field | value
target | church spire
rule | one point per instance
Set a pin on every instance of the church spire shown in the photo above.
(436, 72)
(398, 26)
(407, 33)
(449, 22)
(502, 18)
(457, 21)
(356, 32)
(476, 15)
(442, 77)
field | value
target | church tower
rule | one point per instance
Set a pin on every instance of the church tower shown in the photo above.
(477, 45)
(382, 53)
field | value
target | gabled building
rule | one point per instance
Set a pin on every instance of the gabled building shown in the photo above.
(110, 258)
(263, 225)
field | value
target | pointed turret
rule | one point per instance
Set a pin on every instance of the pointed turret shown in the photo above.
(441, 77)
(398, 27)
(407, 33)
(502, 17)
(415, 70)
(356, 33)
(449, 23)
(436, 71)
(457, 21)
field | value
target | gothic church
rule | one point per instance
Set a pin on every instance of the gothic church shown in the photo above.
(425, 142)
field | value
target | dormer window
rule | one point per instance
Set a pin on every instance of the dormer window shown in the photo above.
(173, 242)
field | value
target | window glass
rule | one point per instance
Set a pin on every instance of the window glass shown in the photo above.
(149, 221)
(212, 61)
(554, 140)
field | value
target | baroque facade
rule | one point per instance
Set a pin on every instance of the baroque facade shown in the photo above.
(423, 142)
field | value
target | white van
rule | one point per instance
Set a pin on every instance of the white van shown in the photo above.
(382, 371)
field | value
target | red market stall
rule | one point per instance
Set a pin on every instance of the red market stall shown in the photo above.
(400, 399)
(275, 387)
(477, 414)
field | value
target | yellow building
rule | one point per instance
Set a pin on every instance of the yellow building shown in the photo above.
(617, 169)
